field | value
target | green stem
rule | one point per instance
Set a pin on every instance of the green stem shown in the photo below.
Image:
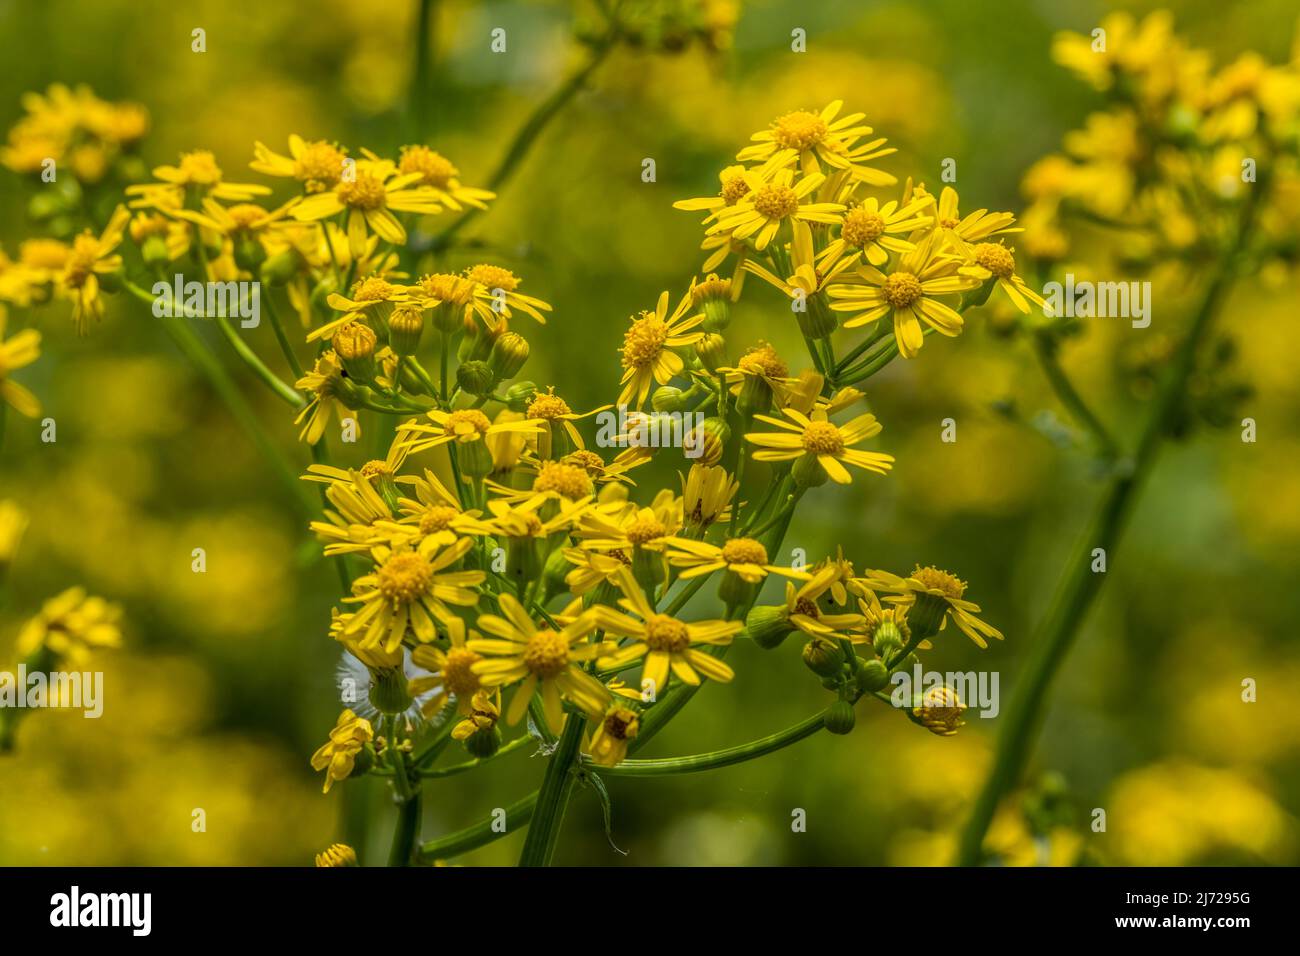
(471, 838)
(553, 797)
(718, 758)
(1045, 348)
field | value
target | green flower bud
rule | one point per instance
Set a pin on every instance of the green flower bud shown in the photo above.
(711, 350)
(279, 268)
(807, 472)
(523, 557)
(667, 398)
(714, 295)
(405, 328)
(815, 320)
(354, 344)
(474, 458)
(823, 657)
(840, 717)
(388, 690)
(768, 625)
(520, 395)
(926, 614)
(154, 251)
(509, 353)
(475, 377)
(321, 293)
(716, 435)
(484, 743)
(873, 675)
(365, 759)
(249, 253)
(448, 318)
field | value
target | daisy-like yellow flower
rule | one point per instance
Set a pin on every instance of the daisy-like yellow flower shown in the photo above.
(962, 232)
(820, 442)
(623, 526)
(325, 383)
(435, 512)
(870, 231)
(768, 625)
(547, 661)
(153, 228)
(337, 855)
(464, 426)
(239, 220)
(593, 568)
(350, 527)
(554, 481)
(370, 195)
(667, 644)
(940, 711)
(441, 175)
(410, 588)
(555, 413)
(501, 287)
(910, 293)
(617, 728)
(71, 626)
(807, 279)
(816, 142)
(933, 597)
(733, 187)
(373, 299)
(707, 493)
(769, 204)
(992, 260)
(338, 756)
(197, 170)
(647, 352)
(451, 672)
(89, 258)
(317, 165)
(17, 351)
(743, 557)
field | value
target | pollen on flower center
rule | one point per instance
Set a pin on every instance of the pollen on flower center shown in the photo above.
(546, 654)
(245, 214)
(404, 577)
(950, 223)
(763, 360)
(569, 481)
(666, 633)
(734, 189)
(996, 258)
(319, 165)
(492, 277)
(644, 341)
(799, 130)
(436, 169)
(457, 673)
(862, 227)
(448, 288)
(437, 518)
(902, 289)
(376, 468)
(365, 192)
(775, 201)
(823, 438)
(549, 406)
(200, 167)
(373, 290)
(467, 422)
(935, 580)
(645, 528)
(807, 607)
(744, 551)
(588, 461)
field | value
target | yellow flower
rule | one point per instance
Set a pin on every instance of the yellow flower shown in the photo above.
(242, 219)
(439, 174)
(89, 258)
(464, 426)
(733, 186)
(992, 260)
(940, 711)
(451, 672)
(819, 440)
(555, 412)
(1129, 47)
(324, 381)
(197, 170)
(910, 293)
(870, 231)
(337, 855)
(933, 597)
(707, 492)
(17, 351)
(499, 292)
(666, 643)
(358, 507)
(744, 557)
(317, 165)
(370, 195)
(618, 727)
(647, 354)
(410, 588)
(338, 756)
(770, 204)
(483, 712)
(819, 142)
(545, 660)
(622, 526)
(960, 233)
(373, 299)
(71, 626)
(13, 524)
(435, 512)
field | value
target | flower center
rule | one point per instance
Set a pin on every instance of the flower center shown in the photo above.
(568, 481)
(437, 169)
(457, 673)
(621, 723)
(823, 438)
(81, 260)
(644, 341)
(588, 461)
(763, 360)
(799, 130)
(935, 580)
(467, 424)
(996, 258)
(373, 290)
(665, 633)
(547, 654)
(404, 577)
(950, 223)
(807, 607)
(711, 288)
(862, 227)
(902, 289)
(549, 406)
(448, 288)
(319, 166)
(492, 277)
(734, 189)
(775, 201)
(244, 214)
(376, 468)
(644, 528)
(437, 518)
(365, 192)
(744, 551)
(200, 167)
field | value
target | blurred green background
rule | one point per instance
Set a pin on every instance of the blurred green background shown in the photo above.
(225, 684)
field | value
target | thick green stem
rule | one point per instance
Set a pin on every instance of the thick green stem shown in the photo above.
(471, 838)
(553, 797)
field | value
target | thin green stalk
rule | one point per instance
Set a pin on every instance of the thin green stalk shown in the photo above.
(1045, 348)
(718, 758)
(1079, 588)
(553, 797)
(286, 347)
(471, 838)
